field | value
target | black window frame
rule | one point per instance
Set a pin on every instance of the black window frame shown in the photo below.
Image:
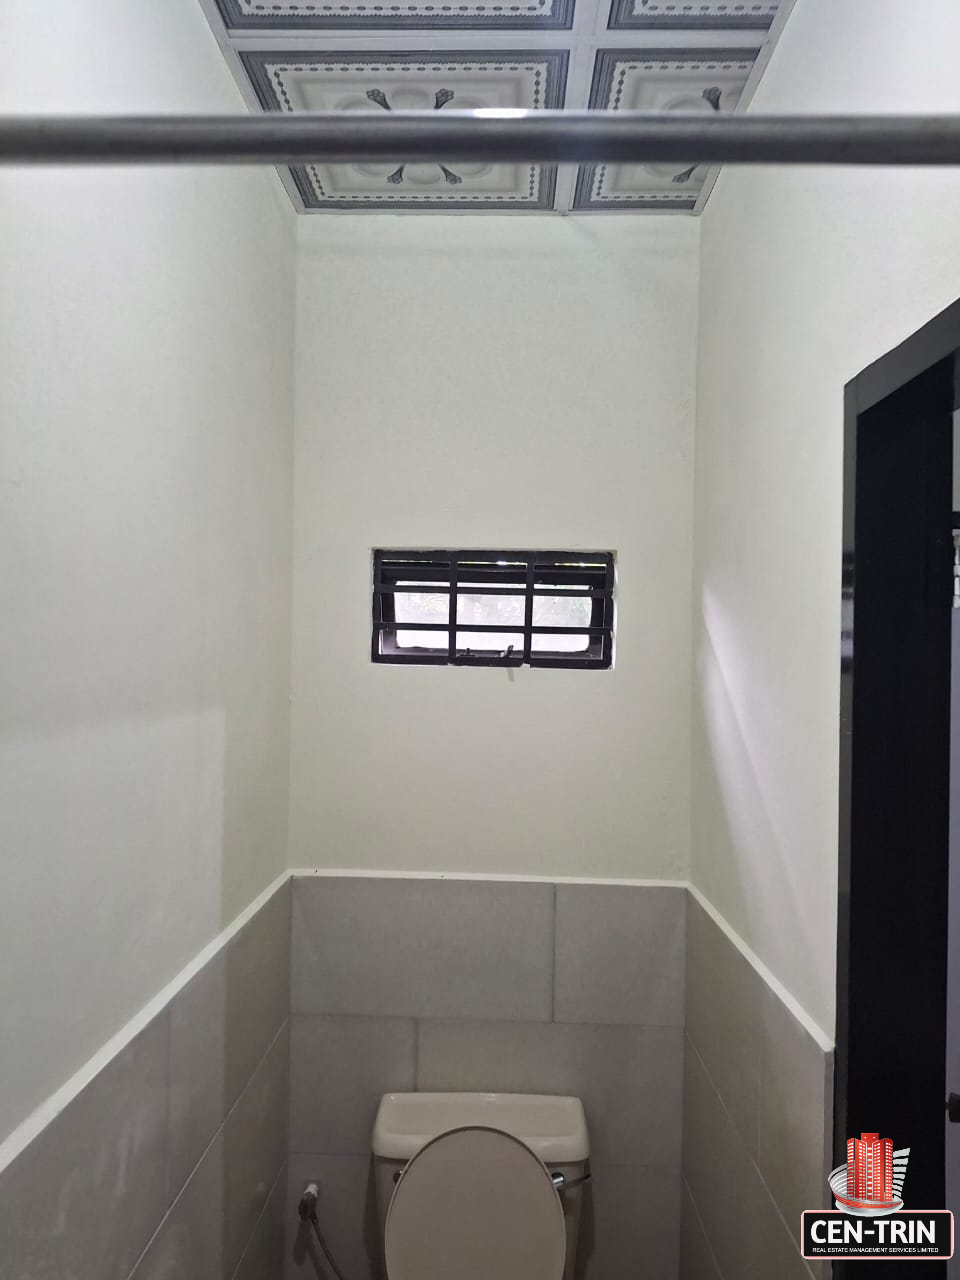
(471, 572)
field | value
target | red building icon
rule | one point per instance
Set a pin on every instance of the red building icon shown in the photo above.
(870, 1167)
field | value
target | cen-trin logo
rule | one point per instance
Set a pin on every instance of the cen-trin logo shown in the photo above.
(871, 1182)
(870, 1220)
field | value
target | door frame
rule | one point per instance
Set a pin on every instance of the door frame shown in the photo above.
(895, 754)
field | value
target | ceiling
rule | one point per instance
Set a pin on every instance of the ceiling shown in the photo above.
(381, 55)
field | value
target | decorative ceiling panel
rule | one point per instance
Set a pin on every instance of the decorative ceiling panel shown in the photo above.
(444, 55)
(682, 15)
(415, 80)
(250, 15)
(684, 80)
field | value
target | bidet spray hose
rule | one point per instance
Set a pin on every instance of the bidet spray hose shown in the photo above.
(307, 1208)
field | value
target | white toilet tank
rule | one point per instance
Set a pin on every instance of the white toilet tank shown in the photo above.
(554, 1128)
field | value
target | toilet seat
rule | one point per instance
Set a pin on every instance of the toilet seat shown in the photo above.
(475, 1204)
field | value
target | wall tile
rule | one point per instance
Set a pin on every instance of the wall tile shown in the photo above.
(725, 1019)
(339, 1070)
(620, 954)
(629, 1078)
(257, 992)
(347, 1212)
(749, 1237)
(630, 1224)
(276, 1222)
(85, 1197)
(795, 1107)
(220, 1026)
(255, 1139)
(773, 1080)
(422, 948)
(189, 1242)
(696, 1257)
(114, 1181)
(254, 1264)
(198, 1091)
(263, 1257)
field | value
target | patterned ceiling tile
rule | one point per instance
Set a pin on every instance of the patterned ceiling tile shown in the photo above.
(685, 80)
(414, 81)
(687, 14)
(290, 15)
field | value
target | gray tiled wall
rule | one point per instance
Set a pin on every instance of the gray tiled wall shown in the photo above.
(472, 985)
(170, 1163)
(184, 1158)
(756, 1119)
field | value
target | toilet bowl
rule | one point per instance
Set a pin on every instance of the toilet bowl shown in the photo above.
(481, 1186)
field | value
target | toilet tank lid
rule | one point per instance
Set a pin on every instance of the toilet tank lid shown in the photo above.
(553, 1127)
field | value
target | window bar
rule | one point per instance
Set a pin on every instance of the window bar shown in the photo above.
(567, 631)
(478, 589)
(418, 626)
(606, 645)
(452, 614)
(528, 608)
(494, 628)
(377, 606)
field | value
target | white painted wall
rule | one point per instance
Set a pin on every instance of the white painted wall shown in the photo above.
(807, 276)
(146, 346)
(460, 381)
(493, 382)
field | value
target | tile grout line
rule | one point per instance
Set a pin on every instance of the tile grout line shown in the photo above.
(290, 914)
(740, 1138)
(685, 1186)
(168, 1203)
(168, 1110)
(685, 956)
(553, 970)
(688, 1038)
(452, 1019)
(219, 1130)
(260, 1216)
(813, 1029)
(806, 1020)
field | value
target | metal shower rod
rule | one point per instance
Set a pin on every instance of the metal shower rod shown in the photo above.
(493, 135)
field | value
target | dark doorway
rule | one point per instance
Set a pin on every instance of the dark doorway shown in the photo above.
(895, 760)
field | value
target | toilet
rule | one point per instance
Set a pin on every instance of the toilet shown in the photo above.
(480, 1186)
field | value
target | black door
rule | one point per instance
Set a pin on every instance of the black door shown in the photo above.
(895, 761)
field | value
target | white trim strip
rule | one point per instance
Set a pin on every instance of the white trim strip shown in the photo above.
(812, 1028)
(48, 1110)
(38, 1120)
(494, 877)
